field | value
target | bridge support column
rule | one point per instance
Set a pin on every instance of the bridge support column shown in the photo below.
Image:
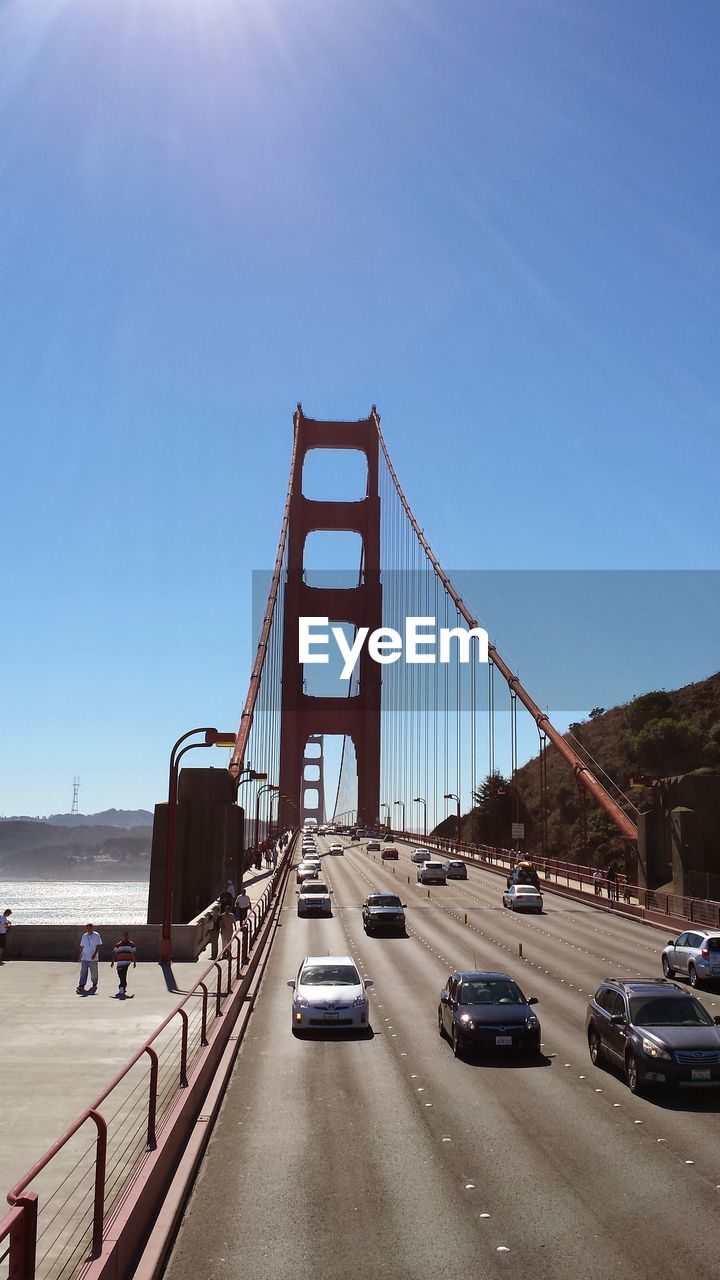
(208, 844)
(305, 717)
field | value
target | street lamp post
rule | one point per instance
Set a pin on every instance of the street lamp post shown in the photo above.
(269, 786)
(402, 804)
(419, 800)
(450, 795)
(388, 821)
(213, 738)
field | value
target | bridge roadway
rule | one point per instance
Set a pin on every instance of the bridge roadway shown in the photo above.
(341, 1157)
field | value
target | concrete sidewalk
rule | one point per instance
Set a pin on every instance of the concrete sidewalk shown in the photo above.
(59, 1049)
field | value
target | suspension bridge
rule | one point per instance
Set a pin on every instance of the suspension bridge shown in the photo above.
(245, 1149)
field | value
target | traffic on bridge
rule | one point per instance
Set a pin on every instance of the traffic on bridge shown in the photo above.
(383, 1152)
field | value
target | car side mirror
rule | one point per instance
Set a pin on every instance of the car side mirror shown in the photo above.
(716, 1020)
(444, 997)
(368, 982)
(617, 1020)
(671, 942)
(291, 983)
(532, 1000)
(404, 905)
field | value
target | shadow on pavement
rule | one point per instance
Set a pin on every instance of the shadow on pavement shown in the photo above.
(340, 1033)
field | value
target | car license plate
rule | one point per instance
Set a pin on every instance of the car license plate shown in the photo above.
(331, 1017)
(701, 1075)
(503, 1039)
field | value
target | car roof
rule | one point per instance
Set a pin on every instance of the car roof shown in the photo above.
(641, 985)
(483, 974)
(307, 884)
(328, 960)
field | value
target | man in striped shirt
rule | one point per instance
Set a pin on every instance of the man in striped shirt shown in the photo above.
(123, 957)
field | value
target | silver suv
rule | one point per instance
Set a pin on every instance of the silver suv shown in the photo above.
(694, 955)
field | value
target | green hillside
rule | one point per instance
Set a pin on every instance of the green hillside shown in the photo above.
(659, 733)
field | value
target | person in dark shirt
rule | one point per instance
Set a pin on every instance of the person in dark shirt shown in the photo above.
(124, 955)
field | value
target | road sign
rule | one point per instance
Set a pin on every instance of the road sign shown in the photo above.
(518, 831)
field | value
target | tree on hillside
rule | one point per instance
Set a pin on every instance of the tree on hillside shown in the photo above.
(650, 706)
(666, 746)
(494, 810)
(596, 711)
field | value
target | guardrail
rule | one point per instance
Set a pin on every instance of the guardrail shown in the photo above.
(54, 1226)
(701, 911)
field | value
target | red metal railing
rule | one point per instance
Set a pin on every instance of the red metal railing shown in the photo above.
(47, 1236)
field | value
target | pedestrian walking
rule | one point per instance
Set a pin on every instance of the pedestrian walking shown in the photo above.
(124, 955)
(214, 931)
(230, 890)
(90, 944)
(597, 881)
(227, 925)
(274, 858)
(242, 906)
(5, 927)
(268, 859)
(611, 882)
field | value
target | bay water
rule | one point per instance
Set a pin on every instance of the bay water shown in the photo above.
(75, 901)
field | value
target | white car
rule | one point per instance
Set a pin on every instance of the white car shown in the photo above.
(336, 847)
(432, 873)
(522, 897)
(307, 871)
(329, 992)
(314, 899)
(420, 855)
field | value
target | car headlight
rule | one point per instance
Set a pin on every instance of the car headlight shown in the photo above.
(467, 1021)
(532, 1023)
(359, 1001)
(302, 1002)
(654, 1050)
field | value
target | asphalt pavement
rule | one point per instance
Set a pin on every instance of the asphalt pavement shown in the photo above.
(342, 1156)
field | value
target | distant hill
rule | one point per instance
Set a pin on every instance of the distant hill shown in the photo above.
(31, 850)
(108, 818)
(659, 733)
(125, 818)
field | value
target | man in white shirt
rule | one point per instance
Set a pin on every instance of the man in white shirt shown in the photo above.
(5, 926)
(90, 944)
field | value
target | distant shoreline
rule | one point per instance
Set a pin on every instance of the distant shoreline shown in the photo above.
(141, 877)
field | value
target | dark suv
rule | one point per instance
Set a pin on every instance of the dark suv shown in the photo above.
(656, 1032)
(383, 913)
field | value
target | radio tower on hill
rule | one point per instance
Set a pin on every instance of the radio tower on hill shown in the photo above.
(76, 788)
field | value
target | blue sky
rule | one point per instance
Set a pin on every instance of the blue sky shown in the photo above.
(497, 220)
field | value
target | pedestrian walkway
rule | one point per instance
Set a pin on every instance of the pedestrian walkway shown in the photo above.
(60, 1049)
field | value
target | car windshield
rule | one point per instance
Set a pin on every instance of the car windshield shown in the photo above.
(669, 1011)
(314, 886)
(434, 866)
(384, 900)
(335, 975)
(453, 866)
(490, 991)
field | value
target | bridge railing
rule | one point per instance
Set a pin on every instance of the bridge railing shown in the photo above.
(701, 911)
(60, 1208)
